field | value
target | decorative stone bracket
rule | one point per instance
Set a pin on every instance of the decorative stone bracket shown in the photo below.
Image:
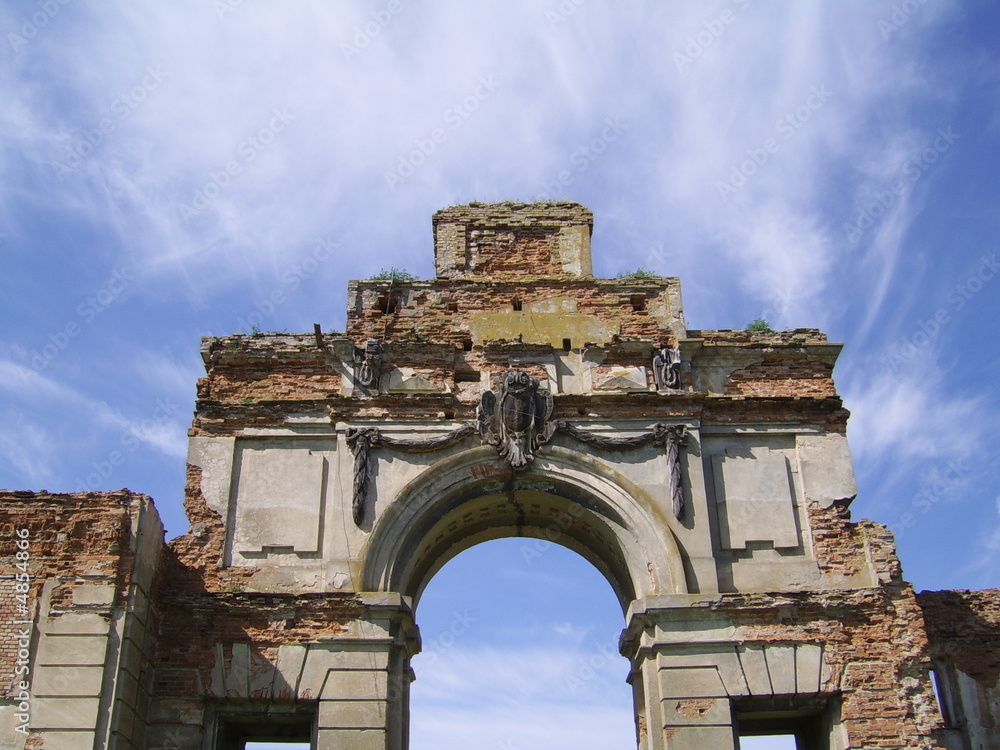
(667, 369)
(368, 365)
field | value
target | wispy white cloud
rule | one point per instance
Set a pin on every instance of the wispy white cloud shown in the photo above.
(161, 429)
(26, 447)
(909, 416)
(549, 696)
(986, 561)
(350, 119)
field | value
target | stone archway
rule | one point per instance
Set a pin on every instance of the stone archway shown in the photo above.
(565, 496)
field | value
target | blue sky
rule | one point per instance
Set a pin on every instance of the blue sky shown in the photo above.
(169, 169)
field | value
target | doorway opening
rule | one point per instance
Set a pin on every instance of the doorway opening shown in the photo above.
(520, 651)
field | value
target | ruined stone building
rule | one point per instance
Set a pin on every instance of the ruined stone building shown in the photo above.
(705, 473)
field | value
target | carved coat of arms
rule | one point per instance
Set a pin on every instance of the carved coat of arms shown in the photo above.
(517, 421)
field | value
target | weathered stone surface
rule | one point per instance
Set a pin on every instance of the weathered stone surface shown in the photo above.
(56, 650)
(64, 713)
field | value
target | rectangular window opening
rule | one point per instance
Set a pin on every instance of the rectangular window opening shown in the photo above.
(243, 727)
(784, 723)
(768, 742)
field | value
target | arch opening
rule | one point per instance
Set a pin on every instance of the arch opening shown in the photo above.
(520, 650)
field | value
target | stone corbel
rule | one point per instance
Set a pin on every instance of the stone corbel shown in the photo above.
(368, 365)
(667, 368)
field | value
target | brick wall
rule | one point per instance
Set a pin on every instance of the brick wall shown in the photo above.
(74, 541)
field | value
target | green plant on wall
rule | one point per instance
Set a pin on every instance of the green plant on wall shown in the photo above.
(394, 274)
(760, 326)
(639, 273)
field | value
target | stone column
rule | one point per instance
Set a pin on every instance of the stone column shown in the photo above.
(695, 666)
(364, 698)
(686, 705)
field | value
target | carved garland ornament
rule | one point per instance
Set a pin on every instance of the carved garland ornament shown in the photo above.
(362, 440)
(672, 438)
(517, 423)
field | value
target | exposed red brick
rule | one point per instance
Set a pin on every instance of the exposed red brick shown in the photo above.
(783, 376)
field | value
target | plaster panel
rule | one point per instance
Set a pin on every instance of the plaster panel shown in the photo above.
(696, 711)
(343, 714)
(66, 740)
(64, 713)
(781, 668)
(754, 493)
(77, 650)
(541, 328)
(691, 682)
(279, 499)
(74, 682)
(351, 739)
